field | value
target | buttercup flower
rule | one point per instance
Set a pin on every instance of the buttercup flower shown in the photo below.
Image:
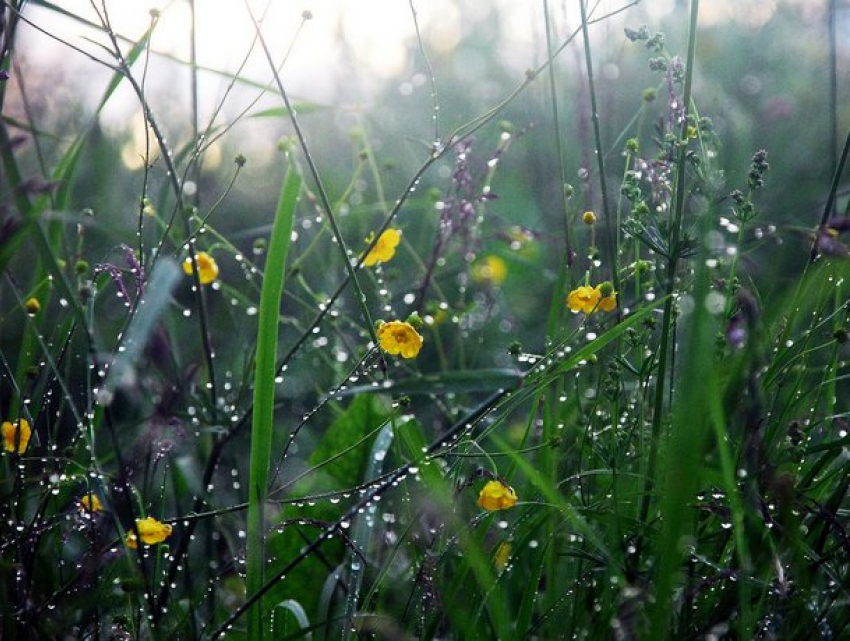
(16, 436)
(398, 337)
(384, 249)
(207, 267)
(588, 218)
(491, 269)
(503, 554)
(90, 503)
(495, 495)
(584, 299)
(593, 299)
(32, 306)
(150, 530)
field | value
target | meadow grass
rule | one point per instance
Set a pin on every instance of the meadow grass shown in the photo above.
(392, 404)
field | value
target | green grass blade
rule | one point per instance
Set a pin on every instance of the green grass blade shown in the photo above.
(297, 611)
(152, 306)
(364, 529)
(264, 392)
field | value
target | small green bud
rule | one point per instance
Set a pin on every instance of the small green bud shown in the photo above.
(131, 584)
(32, 306)
(606, 289)
(415, 320)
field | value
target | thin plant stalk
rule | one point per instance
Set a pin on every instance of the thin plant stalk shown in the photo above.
(556, 130)
(320, 187)
(672, 266)
(611, 233)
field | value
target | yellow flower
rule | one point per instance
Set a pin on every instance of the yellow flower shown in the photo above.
(584, 299)
(12, 442)
(206, 266)
(398, 337)
(384, 249)
(503, 554)
(90, 503)
(151, 531)
(495, 495)
(491, 269)
(588, 218)
(593, 299)
(32, 306)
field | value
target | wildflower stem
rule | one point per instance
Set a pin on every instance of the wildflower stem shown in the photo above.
(612, 234)
(556, 130)
(830, 201)
(320, 187)
(431, 79)
(672, 265)
(176, 185)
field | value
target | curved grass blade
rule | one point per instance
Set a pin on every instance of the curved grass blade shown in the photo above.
(297, 611)
(364, 528)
